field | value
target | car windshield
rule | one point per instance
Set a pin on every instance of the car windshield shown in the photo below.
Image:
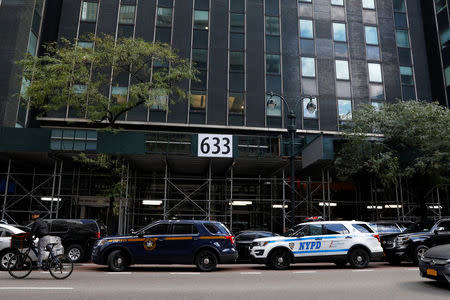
(419, 227)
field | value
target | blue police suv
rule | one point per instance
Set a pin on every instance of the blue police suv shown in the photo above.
(203, 243)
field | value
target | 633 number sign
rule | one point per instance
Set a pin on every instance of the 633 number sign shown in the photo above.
(215, 145)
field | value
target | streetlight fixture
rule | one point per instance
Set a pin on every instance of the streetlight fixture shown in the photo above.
(291, 128)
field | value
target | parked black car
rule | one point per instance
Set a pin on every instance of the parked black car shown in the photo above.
(244, 240)
(78, 236)
(415, 241)
(435, 264)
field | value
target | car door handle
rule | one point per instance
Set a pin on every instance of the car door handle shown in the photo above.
(348, 237)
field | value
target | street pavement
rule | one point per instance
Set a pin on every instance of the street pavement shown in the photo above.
(302, 281)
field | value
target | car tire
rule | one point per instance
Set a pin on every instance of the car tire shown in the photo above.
(394, 260)
(117, 261)
(4, 258)
(418, 253)
(280, 259)
(206, 261)
(75, 253)
(359, 258)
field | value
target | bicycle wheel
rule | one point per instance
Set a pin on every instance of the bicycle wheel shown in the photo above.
(19, 266)
(61, 266)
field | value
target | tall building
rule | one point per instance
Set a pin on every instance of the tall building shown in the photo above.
(326, 57)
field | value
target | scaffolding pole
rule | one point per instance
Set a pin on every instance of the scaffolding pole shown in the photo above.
(59, 189)
(231, 200)
(165, 190)
(323, 195)
(209, 191)
(5, 194)
(284, 202)
(53, 189)
(329, 194)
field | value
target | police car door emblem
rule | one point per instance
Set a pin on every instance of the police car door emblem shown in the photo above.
(150, 244)
(291, 246)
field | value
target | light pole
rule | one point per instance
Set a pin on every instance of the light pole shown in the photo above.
(291, 128)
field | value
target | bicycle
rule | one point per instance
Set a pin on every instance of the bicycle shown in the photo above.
(20, 265)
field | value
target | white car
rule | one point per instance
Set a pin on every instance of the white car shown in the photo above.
(340, 242)
(5, 245)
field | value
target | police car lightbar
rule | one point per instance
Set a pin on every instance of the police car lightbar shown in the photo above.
(315, 218)
(50, 199)
(152, 202)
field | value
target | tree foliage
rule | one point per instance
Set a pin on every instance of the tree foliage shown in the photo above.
(401, 140)
(84, 78)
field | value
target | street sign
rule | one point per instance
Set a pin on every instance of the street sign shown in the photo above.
(215, 145)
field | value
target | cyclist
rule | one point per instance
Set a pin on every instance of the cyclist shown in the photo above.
(39, 229)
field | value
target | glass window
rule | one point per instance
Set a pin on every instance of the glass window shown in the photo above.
(237, 41)
(271, 7)
(336, 229)
(399, 5)
(273, 83)
(236, 103)
(201, 4)
(127, 14)
(59, 226)
(404, 56)
(89, 11)
(198, 100)
(79, 88)
(447, 76)
(237, 82)
(159, 229)
(377, 105)
(164, 17)
(119, 93)
(444, 36)
(32, 44)
(402, 38)
(339, 32)
(440, 5)
(306, 29)
(368, 4)
(371, 35)
(308, 67)
(272, 26)
(201, 19)
(212, 228)
(237, 5)
(237, 23)
(342, 70)
(363, 228)
(166, 3)
(237, 61)
(309, 1)
(376, 91)
(375, 72)
(310, 108)
(200, 58)
(273, 63)
(307, 46)
(406, 74)
(400, 20)
(345, 109)
(86, 45)
(273, 106)
(272, 44)
(200, 39)
(184, 229)
(340, 49)
(337, 2)
(373, 52)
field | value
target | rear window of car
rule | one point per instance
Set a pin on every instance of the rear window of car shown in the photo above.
(184, 229)
(59, 226)
(336, 229)
(158, 229)
(216, 228)
(363, 228)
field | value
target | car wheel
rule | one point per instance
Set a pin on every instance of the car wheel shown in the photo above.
(4, 258)
(394, 260)
(280, 259)
(117, 261)
(359, 258)
(75, 253)
(206, 261)
(419, 253)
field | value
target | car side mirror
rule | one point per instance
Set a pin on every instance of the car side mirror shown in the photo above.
(439, 230)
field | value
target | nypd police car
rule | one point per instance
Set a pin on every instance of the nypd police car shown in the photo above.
(203, 243)
(339, 242)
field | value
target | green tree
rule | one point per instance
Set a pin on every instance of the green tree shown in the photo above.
(84, 77)
(409, 140)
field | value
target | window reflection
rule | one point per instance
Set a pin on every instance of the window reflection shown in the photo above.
(345, 110)
(198, 100)
(308, 67)
(342, 70)
(310, 108)
(273, 106)
(375, 72)
(371, 35)
(339, 32)
(306, 29)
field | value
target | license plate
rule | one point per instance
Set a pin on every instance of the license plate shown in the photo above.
(431, 272)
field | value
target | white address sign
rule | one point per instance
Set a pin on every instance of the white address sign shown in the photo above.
(215, 145)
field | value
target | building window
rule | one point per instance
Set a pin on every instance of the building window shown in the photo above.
(337, 2)
(377, 105)
(342, 72)
(345, 110)
(306, 29)
(119, 93)
(447, 76)
(273, 65)
(237, 23)
(440, 5)
(236, 103)
(73, 140)
(375, 72)
(371, 35)
(402, 38)
(198, 101)
(237, 61)
(406, 74)
(272, 26)
(89, 11)
(308, 67)
(200, 58)
(32, 44)
(310, 109)
(201, 19)
(399, 5)
(127, 14)
(339, 34)
(309, 1)
(86, 45)
(368, 4)
(164, 17)
(273, 106)
(237, 5)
